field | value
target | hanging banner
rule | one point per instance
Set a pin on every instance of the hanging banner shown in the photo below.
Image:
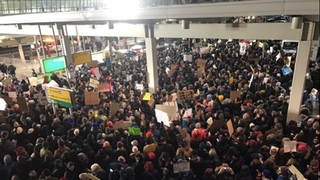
(81, 57)
(243, 47)
(91, 98)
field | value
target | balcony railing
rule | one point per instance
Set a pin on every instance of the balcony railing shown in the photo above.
(11, 7)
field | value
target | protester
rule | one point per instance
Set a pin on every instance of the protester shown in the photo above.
(45, 143)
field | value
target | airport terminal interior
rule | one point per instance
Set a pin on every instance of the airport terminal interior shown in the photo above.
(159, 90)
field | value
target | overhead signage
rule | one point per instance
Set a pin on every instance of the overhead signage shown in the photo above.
(54, 64)
(60, 96)
(81, 57)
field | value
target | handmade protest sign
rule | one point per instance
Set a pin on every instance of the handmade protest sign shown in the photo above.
(162, 117)
(105, 87)
(91, 98)
(181, 167)
(290, 146)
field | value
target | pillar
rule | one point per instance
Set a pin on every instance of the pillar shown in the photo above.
(66, 50)
(152, 66)
(65, 44)
(300, 70)
(21, 53)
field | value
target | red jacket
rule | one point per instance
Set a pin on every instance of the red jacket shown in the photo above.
(198, 135)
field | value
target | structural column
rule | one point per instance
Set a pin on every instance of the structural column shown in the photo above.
(65, 44)
(152, 69)
(21, 53)
(300, 70)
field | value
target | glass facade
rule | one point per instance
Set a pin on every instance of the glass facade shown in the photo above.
(9, 7)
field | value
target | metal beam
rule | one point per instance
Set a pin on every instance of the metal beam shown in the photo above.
(277, 31)
(191, 11)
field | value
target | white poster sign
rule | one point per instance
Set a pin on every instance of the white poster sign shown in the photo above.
(187, 57)
(162, 117)
(243, 47)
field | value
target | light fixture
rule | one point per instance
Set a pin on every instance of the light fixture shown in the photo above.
(296, 23)
(185, 24)
(110, 25)
(19, 26)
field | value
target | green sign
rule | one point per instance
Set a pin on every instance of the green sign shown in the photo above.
(63, 104)
(54, 64)
(134, 131)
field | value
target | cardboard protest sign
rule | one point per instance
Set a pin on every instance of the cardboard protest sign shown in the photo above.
(134, 131)
(33, 81)
(174, 105)
(122, 124)
(93, 83)
(296, 172)
(146, 96)
(230, 127)
(181, 167)
(187, 113)
(6, 82)
(13, 94)
(200, 70)
(290, 146)
(217, 124)
(103, 87)
(92, 64)
(162, 117)
(187, 57)
(23, 106)
(234, 95)
(151, 102)
(7, 99)
(170, 110)
(201, 62)
(91, 98)
(184, 95)
(114, 107)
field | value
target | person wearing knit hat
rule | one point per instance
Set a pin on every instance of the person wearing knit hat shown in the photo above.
(110, 124)
(106, 144)
(302, 147)
(151, 155)
(134, 143)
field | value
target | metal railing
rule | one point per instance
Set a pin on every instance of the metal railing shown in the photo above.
(11, 7)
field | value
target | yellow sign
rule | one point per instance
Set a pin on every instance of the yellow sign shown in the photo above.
(59, 94)
(81, 57)
(146, 96)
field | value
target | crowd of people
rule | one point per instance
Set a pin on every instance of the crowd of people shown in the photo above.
(46, 144)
